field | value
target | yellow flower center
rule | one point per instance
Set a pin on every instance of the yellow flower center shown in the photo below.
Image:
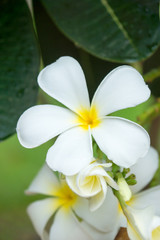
(91, 184)
(156, 233)
(88, 118)
(66, 198)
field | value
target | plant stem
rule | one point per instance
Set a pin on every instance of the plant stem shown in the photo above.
(150, 114)
(153, 74)
(130, 219)
(138, 66)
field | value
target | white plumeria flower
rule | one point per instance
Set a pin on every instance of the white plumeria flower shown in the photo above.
(123, 141)
(91, 182)
(141, 213)
(66, 206)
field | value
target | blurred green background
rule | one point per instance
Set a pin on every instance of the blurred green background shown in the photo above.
(18, 166)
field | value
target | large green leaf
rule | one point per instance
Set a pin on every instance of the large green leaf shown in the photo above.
(54, 45)
(19, 59)
(123, 31)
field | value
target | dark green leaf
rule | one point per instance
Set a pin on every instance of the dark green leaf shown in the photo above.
(19, 59)
(52, 42)
(123, 31)
(54, 45)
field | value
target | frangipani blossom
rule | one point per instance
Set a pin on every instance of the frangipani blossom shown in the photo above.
(123, 141)
(67, 207)
(91, 182)
(141, 213)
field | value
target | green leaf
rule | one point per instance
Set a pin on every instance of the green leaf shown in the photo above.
(52, 42)
(121, 31)
(54, 45)
(19, 59)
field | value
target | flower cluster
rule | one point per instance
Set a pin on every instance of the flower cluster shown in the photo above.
(91, 196)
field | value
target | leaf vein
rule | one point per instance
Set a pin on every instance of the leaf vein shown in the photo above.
(118, 23)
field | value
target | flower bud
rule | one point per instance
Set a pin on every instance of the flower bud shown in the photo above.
(124, 189)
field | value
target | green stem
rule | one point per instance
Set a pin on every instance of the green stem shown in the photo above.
(153, 74)
(129, 217)
(120, 199)
(150, 114)
(138, 66)
(97, 153)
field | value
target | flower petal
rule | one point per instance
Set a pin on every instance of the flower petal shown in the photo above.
(123, 141)
(147, 198)
(111, 182)
(66, 226)
(105, 217)
(149, 163)
(122, 88)
(64, 80)
(40, 123)
(97, 169)
(139, 222)
(45, 182)
(88, 182)
(98, 235)
(72, 183)
(40, 212)
(71, 152)
(96, 201)
(155, 228)
(89, 186)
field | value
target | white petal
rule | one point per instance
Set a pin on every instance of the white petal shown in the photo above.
(155, 228)
(66, 226)
(104, 218)
(45, 182)
(88, 182)
(139, 222)
(96, 201)
(111, 182)
(72, 183)
(40, 212)
(122, 219)
(150, 197)
(145, 169)
(122, 88)
(40, 123)
(64, 80)
(123, 141)
(71, 152)
(88, 185)
(98, 235)
(97, 169)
